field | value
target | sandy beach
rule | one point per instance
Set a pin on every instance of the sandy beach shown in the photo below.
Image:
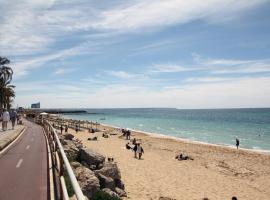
(215, 173)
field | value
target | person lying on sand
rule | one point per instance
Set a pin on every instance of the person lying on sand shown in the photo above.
(183, 157)
(92, 139)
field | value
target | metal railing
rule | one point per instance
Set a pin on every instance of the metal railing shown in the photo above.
(59, 164)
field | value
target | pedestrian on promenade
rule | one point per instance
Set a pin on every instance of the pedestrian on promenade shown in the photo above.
(66, 129)
(1, 117)
(5, 119)
(13, 117)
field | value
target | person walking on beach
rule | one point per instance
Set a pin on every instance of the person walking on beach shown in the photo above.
(128, 134)
(5, 119)
(237, 142)
(135, 150)
(61, 129)
(13, 117)
(76, 128)
(66, 129)
(140, 150)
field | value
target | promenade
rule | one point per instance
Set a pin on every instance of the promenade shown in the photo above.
(23, 167)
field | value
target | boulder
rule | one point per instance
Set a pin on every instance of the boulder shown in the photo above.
(119, 184)
(88, 182)
(110, 192)
(106, 182)
(120, 192)
(110, 170)
(91, 157)
(68, 136)
(75, 164)
(71, 150)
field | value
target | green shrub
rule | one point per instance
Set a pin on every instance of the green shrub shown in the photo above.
(101, 195)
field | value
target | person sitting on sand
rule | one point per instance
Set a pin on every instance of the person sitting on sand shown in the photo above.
(128, 146)
(139, 150)
(237, 142)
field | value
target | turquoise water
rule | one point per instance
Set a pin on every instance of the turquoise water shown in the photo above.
(215, 126)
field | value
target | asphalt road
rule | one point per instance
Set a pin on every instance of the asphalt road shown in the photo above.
(24, 168)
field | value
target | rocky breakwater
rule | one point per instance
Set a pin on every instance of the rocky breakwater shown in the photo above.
(91, 169)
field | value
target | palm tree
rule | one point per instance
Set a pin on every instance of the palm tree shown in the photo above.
(7, 91)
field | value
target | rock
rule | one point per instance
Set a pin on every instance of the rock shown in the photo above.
(93, 167)
(68, 136)
(119, 184)
(120, 192)
(75, 164)
(165, 198)
(110, 170)
(91, 157)
(71, 150)
(106, 182)
(63, 141)
(110, 192)
(88, 182)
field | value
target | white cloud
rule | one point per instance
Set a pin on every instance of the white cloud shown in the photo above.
(159, 13)
(249, 92)
(34, 26)
(61, 71)
(170, 68)
(126, 75)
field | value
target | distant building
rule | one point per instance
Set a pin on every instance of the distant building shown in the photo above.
(35, 105)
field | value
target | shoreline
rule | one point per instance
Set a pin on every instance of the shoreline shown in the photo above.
(215, 172)
(160, 135)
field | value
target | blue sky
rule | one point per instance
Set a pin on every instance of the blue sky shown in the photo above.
(140, 53)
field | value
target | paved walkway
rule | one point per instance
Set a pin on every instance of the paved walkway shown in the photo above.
(24, 168)
(7, 136)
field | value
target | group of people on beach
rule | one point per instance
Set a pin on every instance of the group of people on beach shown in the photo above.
(135, 147)
(6, 116)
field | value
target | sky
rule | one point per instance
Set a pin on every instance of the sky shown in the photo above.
(138, 53)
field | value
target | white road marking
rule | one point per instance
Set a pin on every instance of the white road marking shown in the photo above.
(19, 163)
(28, 146)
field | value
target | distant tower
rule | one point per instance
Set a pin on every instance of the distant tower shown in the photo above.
(35, 105)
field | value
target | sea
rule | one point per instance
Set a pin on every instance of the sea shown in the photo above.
(214, 126)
